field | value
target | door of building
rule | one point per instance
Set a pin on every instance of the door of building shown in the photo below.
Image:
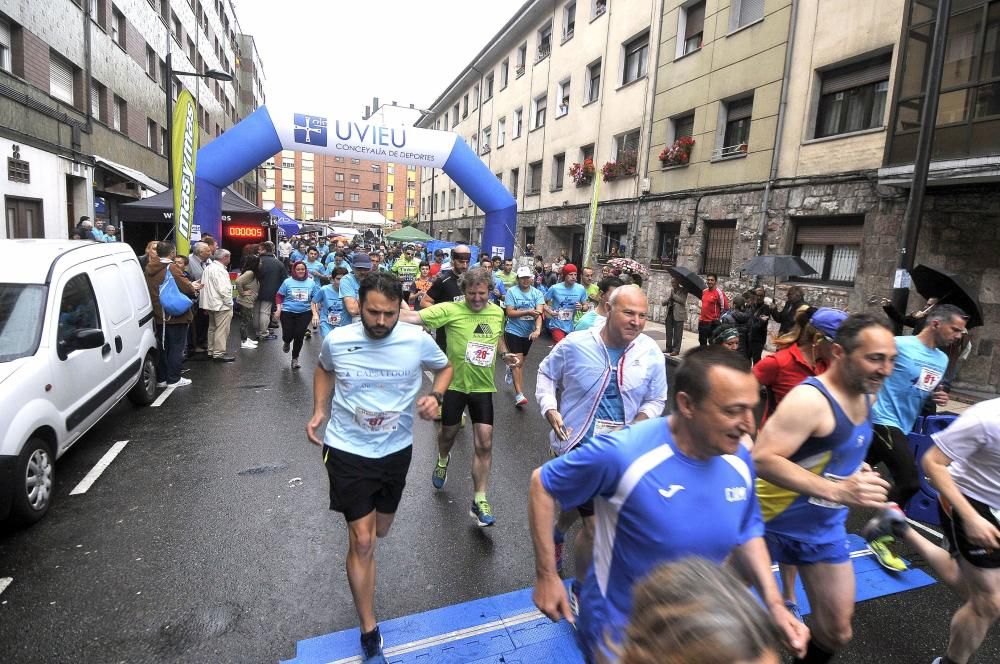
(576, 250)
(24, 218)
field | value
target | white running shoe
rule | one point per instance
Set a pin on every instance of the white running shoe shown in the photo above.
(248, 345)
(181, 383)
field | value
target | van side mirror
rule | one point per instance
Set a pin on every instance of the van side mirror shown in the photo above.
(80, 340)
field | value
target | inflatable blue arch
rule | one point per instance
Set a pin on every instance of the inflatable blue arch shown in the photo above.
(268, 130)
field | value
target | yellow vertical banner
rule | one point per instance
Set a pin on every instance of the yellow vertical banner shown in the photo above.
(589, 237)
(184, 143)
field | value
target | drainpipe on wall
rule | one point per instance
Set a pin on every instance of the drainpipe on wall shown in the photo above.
(647, 116)
(87, 92)
(776, 155)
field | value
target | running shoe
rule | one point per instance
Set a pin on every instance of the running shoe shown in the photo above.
(371, 647)
(889, 521)
(889, 560)
(559, 539)
(508, 377)
(180, 383)
(309, 334)
(295, 363)
(482, 513)
(248, 345)
(793, 609)
(440, 474)
(269, 337)
(520, 400)
(161, 383)
(285, 347)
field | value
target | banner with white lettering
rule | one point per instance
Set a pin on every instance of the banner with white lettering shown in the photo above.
(185, 149)
(346, 137)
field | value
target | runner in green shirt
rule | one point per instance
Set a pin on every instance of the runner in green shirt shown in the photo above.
(474, 337)
(407, 268)
(507, 275)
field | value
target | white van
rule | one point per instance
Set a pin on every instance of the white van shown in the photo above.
(76, 335)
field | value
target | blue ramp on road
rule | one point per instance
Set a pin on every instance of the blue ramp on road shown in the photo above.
(507, 629)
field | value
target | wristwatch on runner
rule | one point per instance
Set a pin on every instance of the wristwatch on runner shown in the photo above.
(438, 397)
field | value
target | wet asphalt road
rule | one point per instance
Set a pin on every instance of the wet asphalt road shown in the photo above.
(198, 544)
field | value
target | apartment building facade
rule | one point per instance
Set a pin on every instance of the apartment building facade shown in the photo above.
(82, 97)
(561, 84)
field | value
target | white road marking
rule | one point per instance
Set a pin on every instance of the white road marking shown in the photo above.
(925, 528)
(449, 637)
(101, 466)
(4, 582)
(163, 396)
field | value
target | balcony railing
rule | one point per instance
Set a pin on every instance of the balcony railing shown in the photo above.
(738, 150)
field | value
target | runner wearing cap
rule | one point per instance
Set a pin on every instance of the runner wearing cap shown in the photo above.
(563, 300)
(407, 268)
(524, 305)
(351, 284)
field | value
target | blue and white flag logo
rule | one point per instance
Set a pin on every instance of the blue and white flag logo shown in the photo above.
(310, 130)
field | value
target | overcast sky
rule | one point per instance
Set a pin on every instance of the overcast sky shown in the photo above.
(338, 54)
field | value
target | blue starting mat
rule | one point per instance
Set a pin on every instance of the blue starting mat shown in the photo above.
(507, 629)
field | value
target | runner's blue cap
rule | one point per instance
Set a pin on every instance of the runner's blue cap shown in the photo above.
(362, 261)
(828, 320)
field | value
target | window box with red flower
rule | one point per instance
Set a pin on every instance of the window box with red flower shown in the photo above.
(625, 166)
(583, 174)
(677, 154)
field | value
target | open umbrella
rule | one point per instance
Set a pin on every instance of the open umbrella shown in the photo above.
(408, 234)
(777, 266)
(949, 289)
(691, 282)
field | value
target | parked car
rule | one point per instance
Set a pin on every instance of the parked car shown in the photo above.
(76, 335)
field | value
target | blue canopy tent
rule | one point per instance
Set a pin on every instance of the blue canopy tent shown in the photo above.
(287, 225)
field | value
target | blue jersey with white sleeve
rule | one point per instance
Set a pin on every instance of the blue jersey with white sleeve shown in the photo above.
(563, 299)
(376, 386)
(651, 503)
(298, 295)
(915, 376)
(350, 286)
(517, 298)
(331, 309)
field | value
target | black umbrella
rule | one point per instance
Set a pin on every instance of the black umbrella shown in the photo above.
(777, 266)
(691, 282)
(948, 289)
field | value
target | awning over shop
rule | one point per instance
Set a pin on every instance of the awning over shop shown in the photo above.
(149, 186)
(160, 208)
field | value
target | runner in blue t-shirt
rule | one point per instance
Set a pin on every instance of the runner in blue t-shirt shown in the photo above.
(314, 264)
(331, 305)
(916, 377)
(810, 457)
(366, 387)
(296, 310)
(524, 307)
(564, 300)
(663, 489)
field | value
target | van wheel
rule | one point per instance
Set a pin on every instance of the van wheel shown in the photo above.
(143, 392)
(35, 481)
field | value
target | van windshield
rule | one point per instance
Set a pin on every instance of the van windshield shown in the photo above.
(22, 311)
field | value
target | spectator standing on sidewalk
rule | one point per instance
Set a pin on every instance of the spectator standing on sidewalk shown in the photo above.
(217, 300)
(171, 331)
(713, 303)
(247, 287)
(200, 257)
(676, 304)
(270, 277)
(786, 315)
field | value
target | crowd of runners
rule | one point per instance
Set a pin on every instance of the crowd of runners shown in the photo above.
(728, 495)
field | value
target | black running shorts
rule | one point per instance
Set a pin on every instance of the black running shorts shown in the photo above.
(480, 407)
(359, 485)
(516, 344)
(958, 542)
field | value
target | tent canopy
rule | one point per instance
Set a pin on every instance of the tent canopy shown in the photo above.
(287, 225)
(408, 234)
(160, 208)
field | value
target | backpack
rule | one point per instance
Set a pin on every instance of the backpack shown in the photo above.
(173, 301)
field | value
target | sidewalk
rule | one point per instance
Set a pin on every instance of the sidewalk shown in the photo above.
(656, 331)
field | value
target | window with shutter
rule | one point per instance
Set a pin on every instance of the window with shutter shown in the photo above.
(95, 101)
(831, 246)
(5, 42)
(60, 79)
(853, 98)
(747, 11)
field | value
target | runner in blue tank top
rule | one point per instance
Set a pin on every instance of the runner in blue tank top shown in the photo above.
(811, 469)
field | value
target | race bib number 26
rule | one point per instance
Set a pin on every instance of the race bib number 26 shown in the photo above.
(480, 355)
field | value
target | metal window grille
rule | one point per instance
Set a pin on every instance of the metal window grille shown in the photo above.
(719, 242)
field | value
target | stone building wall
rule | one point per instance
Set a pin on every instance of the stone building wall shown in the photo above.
(960, 233)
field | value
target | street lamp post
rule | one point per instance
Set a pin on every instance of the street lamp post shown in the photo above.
(214, 74)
